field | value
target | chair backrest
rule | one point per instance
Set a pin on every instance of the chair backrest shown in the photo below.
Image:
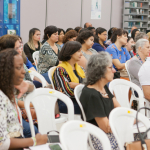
(35, 57)
(50, 74)
(44, 100)
(74, 135)
(77, 94)
(126, 66)
(121, 87)
(36, 74)
(121, 121)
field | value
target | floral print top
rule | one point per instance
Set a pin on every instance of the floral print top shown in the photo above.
(9, 123)
(47, 58)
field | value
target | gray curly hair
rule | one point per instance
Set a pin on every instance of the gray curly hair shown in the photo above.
(97, 67)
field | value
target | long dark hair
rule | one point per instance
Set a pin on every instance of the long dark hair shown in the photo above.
(7, 71)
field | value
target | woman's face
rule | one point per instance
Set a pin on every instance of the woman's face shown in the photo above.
(145, 50)
(129, 44)
(109, 75)
(61, 36)
(122, 39)
(19, 71)
(103, 36)
(54, 37)
(89, 42)
(77, 56)
(18, 47)
(73, 39)
(136, 33)
(36, 36)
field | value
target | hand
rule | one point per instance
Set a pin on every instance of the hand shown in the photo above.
(23, 88)
(41, 139)
(73, 84)
(33, 64)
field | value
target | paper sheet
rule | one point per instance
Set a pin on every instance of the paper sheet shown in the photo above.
(96, 9)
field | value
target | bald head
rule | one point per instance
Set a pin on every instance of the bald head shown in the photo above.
(87, 24)
(134, 27)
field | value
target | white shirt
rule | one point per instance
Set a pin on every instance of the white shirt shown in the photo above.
(144, 73)
(9, 123)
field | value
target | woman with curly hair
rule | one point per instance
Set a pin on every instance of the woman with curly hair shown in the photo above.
(11, 78)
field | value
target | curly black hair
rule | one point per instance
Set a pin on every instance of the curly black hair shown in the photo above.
(7, 71)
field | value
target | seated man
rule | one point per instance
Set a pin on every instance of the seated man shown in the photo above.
(144, 78)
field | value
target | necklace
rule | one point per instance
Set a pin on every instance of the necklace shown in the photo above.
(140, 58)
(104, 94)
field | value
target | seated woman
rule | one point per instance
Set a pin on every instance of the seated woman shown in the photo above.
(134, 33)
(33, 44)
(142, 48)
(77, 29)
(99, 39)
(70, 36)
(96, 99)
(119, 54)
(11, 77)
(129, 46)
(86, 38)
(69, 74)
(61, 34)
(48, 54)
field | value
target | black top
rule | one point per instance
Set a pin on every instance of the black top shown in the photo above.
(95, 105)
(28, 51)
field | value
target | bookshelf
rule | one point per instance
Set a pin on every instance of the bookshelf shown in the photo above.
(136, 13)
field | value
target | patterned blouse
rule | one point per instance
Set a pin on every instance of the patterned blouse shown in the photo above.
(61, 81)
(9, 123)
(47, 58)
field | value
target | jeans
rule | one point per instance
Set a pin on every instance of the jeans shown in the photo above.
(45, 75)
(37, 84)
(63, 107)
(26, 129)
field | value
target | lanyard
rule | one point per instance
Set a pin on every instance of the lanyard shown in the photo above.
(17, 111)
(140, 58)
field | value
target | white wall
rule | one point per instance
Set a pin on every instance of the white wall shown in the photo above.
(67, 13)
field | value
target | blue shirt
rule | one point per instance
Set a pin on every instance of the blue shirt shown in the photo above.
(122, 55)
(29, 64)
(98, 47)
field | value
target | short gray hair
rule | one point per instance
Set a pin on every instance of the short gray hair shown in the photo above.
(97, 67)
(141, 35)
(140, 43)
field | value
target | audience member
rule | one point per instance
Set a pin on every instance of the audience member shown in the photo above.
(134, 33)
(99, 39)
(48, 55)
(33, 44)
(134, 27)
(69, 74)
(119, 54)
(61, 34)
(129, 46)
(144, 74)
(110, 32)
(142, 52)
(87, 24)
(148, 36)
(83, 29)
(87, 40)
(69, 29)
(92, 29)
(78, 29)
(11, 76)
(70, 36)
(96, 99)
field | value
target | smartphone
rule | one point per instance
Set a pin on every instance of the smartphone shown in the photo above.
(54, 147)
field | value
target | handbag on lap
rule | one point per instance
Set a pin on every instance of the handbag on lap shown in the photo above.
(142, 144)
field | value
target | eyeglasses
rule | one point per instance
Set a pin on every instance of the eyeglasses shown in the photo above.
(111, 67)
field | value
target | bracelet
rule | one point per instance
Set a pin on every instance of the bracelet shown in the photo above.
(34, 141)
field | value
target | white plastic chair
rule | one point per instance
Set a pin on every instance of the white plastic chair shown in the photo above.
(74, 135)
(121, 121)
(35, 57)
(36, 74)
(50, 74)
(121, 87)
(44, 101)
(77, 94)
(126, 66)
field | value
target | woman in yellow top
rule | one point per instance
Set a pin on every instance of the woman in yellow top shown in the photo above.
(69, 74)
